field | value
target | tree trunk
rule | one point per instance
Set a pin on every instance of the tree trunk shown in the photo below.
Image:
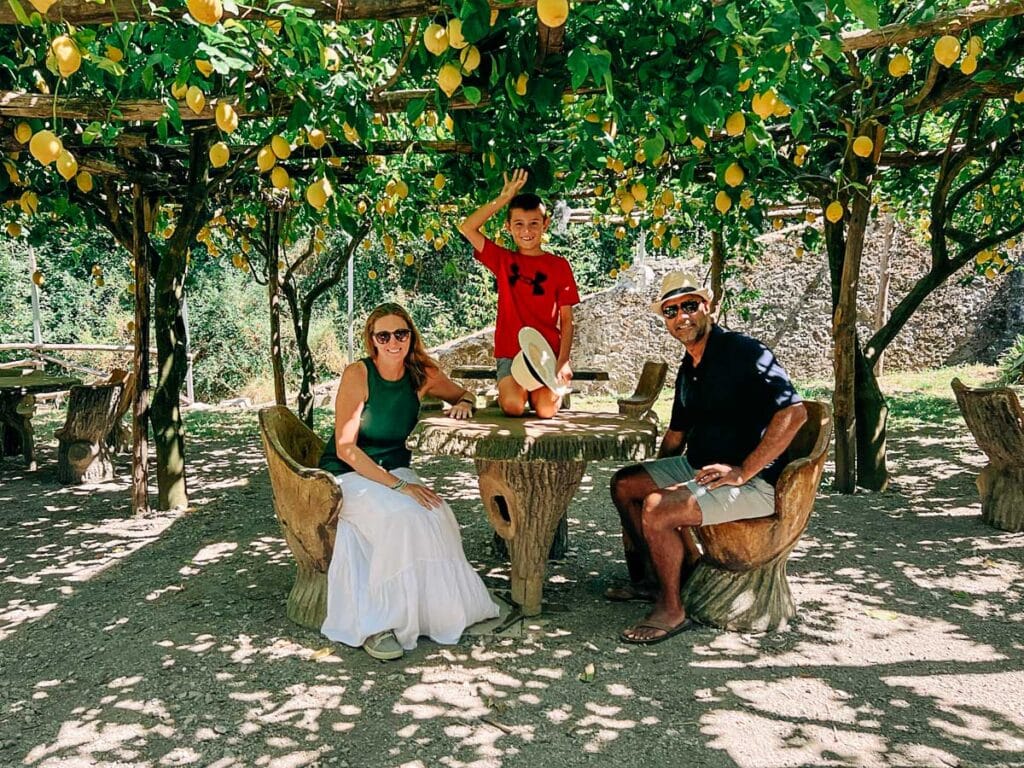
(305, 401)
(872, 415)
(141, 216)
(717, 269)
(274, 295)
(884, 275)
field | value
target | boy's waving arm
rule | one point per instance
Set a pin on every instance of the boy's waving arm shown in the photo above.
(472, 224)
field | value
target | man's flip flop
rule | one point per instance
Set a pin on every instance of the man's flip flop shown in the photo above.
(668, 629)
(629, 593)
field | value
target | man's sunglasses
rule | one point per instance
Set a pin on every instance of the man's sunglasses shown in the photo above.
(686, 307)
(383, 337)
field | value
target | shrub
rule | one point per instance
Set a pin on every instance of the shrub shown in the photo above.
(1011, 363)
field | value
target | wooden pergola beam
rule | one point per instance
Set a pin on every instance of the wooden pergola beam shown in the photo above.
(945, 24)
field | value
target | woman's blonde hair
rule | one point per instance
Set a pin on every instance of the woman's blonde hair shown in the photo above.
(416, 360)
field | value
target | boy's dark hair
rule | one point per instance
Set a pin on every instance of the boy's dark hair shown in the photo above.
(526, 201)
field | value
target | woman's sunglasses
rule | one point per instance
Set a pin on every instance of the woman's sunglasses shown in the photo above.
(686, 307)
(383, 337)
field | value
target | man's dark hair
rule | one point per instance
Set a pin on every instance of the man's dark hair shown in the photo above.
(526, 201)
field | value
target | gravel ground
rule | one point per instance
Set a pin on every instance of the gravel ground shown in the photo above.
(163, 641)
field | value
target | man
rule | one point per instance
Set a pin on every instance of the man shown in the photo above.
(734, 414)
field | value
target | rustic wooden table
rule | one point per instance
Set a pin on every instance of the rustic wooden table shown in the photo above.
(528, 471)
(18, 405)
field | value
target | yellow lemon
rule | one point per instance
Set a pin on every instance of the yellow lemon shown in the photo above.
(699, 143)
(449, 78)
(969, 64)
(553, 13)
(265, 159)
(67, 166)
(734, 175)
(318, 192)
(439, 181)
(22, 132)
(219, 154)
(351, 134)
(947, 50)
(37, 277)
(675, 242)
(195, 99)
(84, 181)
(834, 212)
(470, 58)
(1018, 97)
(227, 118)
(975, 45)
(899, 65)
(42, 5)
(45, 146)
(401, 189)
(317, 138)
(745, 85)
(274, 25)
(735, 124)
(723, 202)
(29, 202)
(863, 146)
(280, 147)
(205, 11)
(639, 192)
(178, 90)
(455, 38)
(205, 68)
(279, 177)
(372, 274)
(620, 232)
(331, 59)
(627, 203)
(67, 55)
(524, 78)
(409, 259)
(114, 53)
(14, 229)
(435, 39)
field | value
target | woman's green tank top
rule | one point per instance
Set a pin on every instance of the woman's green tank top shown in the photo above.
(390, 413)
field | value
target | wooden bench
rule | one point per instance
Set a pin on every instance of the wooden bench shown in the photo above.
(639, 405)
(740, 581)
(307, 502)
(83, 453)
(996, 420)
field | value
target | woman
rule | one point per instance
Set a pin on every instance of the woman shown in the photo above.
(398, 569)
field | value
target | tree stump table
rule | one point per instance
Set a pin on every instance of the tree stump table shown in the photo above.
(529, 470)
(83, 455)
(18, 405)
(996, 420)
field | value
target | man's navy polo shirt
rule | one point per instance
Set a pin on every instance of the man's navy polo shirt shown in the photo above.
(723, 405)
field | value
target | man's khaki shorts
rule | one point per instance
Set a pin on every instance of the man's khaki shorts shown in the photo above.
(755, 498)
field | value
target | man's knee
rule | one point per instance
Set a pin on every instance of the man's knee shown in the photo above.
(630, 483)
(667, 510)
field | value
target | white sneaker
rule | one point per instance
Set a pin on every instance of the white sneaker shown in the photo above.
(383, 646)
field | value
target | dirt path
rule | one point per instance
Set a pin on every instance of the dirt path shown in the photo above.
(163, 642)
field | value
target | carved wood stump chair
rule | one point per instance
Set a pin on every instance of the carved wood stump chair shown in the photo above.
(307, 502)
(639, 405)
(83, 455)
(740, 581)
(996, 420)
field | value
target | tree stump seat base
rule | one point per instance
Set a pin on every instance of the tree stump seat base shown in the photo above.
(756, 600)
(307, 602)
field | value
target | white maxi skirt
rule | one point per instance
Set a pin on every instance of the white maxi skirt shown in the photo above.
(399, 566)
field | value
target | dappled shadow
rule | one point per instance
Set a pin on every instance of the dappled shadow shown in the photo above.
(163, 641)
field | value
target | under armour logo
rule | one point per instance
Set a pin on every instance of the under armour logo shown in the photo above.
(536, 281)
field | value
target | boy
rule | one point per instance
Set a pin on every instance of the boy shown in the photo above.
(535, 289)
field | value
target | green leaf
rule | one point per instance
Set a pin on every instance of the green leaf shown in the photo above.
(796, 121)
(19, 12)
(472, 94)
(299, 115)
(654, 146)
(91, 132)
(865, 10)
(832, 48)
(578, 66)
(108, 66)
(415, 108)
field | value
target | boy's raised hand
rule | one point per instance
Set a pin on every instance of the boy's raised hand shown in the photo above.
(513, 185)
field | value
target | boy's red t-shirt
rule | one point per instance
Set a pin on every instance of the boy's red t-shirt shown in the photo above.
(531, 290)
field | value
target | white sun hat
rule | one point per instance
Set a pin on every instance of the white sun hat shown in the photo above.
(679, 283)
(533, 366)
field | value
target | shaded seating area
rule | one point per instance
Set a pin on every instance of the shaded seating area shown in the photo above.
(995, 418)
(740, 581)
(307, 502)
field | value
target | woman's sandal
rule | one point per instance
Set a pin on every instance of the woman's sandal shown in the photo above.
(383, 646)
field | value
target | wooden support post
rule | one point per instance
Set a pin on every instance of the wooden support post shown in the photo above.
(140, 360)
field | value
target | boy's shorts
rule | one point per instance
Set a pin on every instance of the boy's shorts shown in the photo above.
(504, 366)
(755, 498)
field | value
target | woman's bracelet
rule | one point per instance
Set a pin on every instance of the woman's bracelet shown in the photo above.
(399, 485)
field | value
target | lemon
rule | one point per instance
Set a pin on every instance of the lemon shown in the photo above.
(947, 50)
(455, 38)
(206, 12)
(553, 13)
(798, 252)
(439, 181)
(969, 64)
(84, 181)
(699, 143)
(401, 189)
(745, 85)
(834, 212)
(205, 68)
(22, 132)
(975, 45)
(372, 274)
(435, 39)
(114, 53)
(265, 159)
(227, 118)
(764, 104)
(37, 277)
(863, 146)
(14, 229)
(351, 134)
(195, 99)
(777, 224)
(279, 177)
(1018, 97)
(627, 203)
(45, 146)
(470, 58)
(899, 65)
(735, 124)
(449, 78)
(734, 175)
(620, 233)
(675, 242)
(524, 78)
(318, 192)
(219, 154)
(723, 202)
(67, 55)
(67, 166)
(29, 202)
(42, 5)
(799, 160)
(178, 90)
(810, 217)
(331, 59)
(280, 147)
(639, 192)
(274, 25)
(317, 138)
(409, 260)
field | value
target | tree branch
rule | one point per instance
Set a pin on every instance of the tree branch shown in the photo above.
(946, 24)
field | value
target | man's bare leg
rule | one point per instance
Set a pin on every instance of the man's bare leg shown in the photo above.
(629, 487)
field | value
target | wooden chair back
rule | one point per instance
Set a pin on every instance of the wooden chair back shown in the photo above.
(648, 387)
(996, 420)
(307, 500)
(747, 544)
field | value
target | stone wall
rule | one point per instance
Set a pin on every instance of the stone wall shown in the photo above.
(963, 321)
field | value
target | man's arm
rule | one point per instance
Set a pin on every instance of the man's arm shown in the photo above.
(779, 434)
(472, 224)
(671, 444)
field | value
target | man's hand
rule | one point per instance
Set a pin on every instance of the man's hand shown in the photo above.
(564, 373)
(716, 475)
(513, 185)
